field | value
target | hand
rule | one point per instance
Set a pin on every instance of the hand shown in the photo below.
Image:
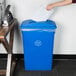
(49, 7)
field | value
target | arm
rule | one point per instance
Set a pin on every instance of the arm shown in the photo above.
(61, 3)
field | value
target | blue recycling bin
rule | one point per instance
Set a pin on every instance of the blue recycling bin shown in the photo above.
(38, 42)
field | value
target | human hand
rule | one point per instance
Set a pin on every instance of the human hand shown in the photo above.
(49, 7)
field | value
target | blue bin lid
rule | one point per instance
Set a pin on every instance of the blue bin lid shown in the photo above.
(31, 24)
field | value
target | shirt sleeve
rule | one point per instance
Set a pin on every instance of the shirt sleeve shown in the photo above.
(73, 1)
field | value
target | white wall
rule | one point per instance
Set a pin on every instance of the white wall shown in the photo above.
(65, 41)
(65, 18)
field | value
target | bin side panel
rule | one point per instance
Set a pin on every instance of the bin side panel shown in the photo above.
(38, 50)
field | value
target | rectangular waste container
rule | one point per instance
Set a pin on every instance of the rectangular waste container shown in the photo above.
(38, 41)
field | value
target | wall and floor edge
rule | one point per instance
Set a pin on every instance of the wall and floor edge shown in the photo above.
(55, 56)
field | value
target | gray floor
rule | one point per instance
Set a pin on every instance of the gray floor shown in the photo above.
(60, 68)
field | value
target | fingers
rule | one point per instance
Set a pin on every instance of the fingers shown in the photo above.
(49, 7)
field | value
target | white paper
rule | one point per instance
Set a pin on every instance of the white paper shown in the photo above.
(46, 2)
(42, 14)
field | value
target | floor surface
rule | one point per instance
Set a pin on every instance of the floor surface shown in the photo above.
(60, 68)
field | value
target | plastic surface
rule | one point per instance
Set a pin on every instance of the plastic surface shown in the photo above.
(30, 24)
(38, 45)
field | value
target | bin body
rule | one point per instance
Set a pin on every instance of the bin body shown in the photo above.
(38, 41)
